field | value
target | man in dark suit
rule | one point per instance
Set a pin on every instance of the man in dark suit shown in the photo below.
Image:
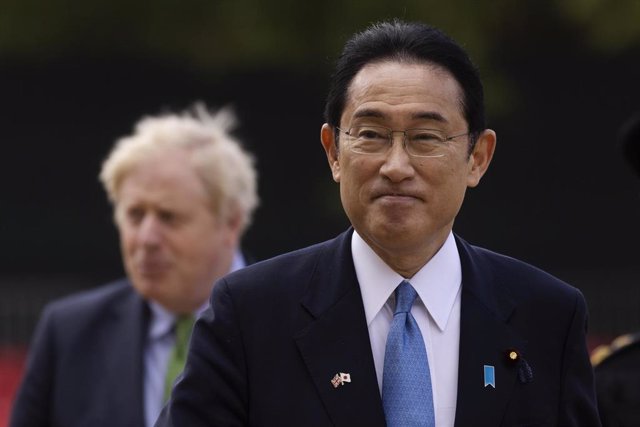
(397, 321)
(617, 366)
(183, 192)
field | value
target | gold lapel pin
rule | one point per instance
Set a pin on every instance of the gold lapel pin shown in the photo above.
(525, 372)
(513, 355)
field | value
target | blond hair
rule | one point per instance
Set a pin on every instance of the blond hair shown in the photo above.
(225, 168)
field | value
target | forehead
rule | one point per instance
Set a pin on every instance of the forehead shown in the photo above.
(166, 177)
(392, 90)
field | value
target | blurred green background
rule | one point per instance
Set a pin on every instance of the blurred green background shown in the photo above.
(560, 78)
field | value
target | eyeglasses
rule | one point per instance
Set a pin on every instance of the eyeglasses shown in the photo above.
(417, 142)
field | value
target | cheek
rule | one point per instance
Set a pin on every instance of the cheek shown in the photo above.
(127, 240)
(205, 248)
(203, 243)
(444, 186)
(453, 189)
(351, 193)
(356, 174)
(451, 174)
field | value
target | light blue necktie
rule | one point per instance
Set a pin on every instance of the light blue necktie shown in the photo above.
(406, 382)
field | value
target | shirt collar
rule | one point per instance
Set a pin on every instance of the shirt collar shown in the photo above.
(161, 320)
(437, 282)
(238, 261)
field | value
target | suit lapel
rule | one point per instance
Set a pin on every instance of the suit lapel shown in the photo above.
(337, 340)
(125, 360)
(485, 339)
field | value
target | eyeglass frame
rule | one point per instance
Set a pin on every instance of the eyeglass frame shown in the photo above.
(404, 139)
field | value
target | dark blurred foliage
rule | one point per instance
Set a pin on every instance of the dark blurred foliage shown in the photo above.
(560, 76)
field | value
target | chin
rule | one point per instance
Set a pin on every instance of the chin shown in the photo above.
(148, 287)
(396, 226)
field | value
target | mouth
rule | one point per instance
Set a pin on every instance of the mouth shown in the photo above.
(152, 268)
(396, 196)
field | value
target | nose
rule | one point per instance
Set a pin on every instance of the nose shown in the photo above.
(397, 164)
(149, 231)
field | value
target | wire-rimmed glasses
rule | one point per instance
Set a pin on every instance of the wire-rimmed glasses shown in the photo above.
(366, 139)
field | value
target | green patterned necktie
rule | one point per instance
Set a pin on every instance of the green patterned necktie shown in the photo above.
(183, 327)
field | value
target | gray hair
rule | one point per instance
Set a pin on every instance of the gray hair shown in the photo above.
(225, 168)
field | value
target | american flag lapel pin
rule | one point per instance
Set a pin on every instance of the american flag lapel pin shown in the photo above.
(340, 379)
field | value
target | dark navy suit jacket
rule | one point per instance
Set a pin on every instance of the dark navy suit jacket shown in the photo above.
(280, 330)
(85, 362)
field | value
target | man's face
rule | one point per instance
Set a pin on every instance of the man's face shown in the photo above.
(173, 246)
(402, 206)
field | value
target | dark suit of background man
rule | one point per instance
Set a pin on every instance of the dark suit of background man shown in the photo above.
(183, 192)
(505, 341)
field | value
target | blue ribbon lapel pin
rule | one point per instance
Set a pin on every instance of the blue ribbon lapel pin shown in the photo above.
(489, 376)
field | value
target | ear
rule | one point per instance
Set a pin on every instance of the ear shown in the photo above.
(327, 137)
(233, 228)
(481, 157)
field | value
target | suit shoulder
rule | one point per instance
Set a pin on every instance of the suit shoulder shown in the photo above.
(89, 301)
(518, 276)
(290, 264)
(507, 263)
(621, 354)
(287, 277)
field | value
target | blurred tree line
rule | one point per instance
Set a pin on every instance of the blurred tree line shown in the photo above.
(560, 77)
(223, 36)
(232, 33)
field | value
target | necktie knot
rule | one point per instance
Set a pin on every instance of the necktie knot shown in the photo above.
(405, 296)
(183, 327)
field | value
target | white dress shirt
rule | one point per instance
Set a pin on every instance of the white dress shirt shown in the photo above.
(436, 310)
(160, 341)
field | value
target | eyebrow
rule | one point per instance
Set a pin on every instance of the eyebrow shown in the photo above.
(422, 115)
(369, 112)
(430, 115)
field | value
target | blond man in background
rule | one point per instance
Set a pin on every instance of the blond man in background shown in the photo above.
(183, 192)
